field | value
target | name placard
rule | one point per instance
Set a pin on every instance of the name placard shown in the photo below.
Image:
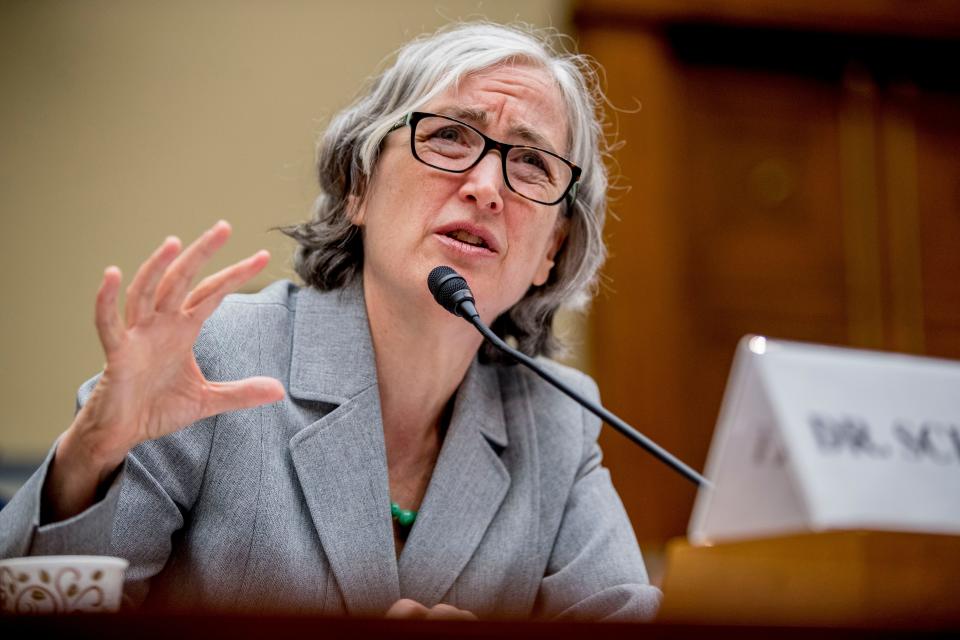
(815, 438)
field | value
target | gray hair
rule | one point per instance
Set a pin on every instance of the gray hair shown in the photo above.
(330, 252)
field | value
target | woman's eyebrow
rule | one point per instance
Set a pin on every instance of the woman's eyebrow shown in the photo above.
(479, 117)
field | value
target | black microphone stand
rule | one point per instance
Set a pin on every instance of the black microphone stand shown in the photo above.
(458, 299)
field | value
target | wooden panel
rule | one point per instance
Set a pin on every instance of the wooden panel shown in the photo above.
(763, 221)
(733, 226)
(639, 321)
(764, 218)
(938, 174)
(861, 208)
(898, 161)
(915, 17)
(790, 183)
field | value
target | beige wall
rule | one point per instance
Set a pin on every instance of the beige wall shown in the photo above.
(122, 122)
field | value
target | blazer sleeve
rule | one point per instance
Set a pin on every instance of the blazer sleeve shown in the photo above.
(142, 508)
(595, 570)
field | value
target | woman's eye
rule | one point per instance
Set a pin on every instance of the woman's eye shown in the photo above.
(534, 161)
(448, 134)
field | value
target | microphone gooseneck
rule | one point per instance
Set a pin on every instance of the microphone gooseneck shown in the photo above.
(452, 292)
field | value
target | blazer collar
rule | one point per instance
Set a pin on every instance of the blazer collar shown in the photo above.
(332, 359)
(340, 461)
(468, 486)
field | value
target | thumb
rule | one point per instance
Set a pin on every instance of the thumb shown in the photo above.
(243, 394)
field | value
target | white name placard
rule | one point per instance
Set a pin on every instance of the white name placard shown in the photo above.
(815, 438)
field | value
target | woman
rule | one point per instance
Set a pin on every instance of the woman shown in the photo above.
(252, 453)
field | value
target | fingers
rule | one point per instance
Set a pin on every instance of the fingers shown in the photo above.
(207, 296)
(413, 610)
(449, 612)
(407, 609)
(140, 294)
(241, 394)
(107, 317)
(176, 282)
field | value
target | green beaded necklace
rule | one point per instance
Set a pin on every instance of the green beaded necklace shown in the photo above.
(404, 517)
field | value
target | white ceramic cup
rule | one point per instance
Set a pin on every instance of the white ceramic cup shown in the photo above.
(61, 584)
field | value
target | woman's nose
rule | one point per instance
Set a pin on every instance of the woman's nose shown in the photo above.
(483, 183)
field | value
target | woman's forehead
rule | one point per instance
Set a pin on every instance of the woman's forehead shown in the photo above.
(521, 102)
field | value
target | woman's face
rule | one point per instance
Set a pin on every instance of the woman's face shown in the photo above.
(415, 217)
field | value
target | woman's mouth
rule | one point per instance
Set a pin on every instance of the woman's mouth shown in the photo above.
(467, 237)
(464, 242)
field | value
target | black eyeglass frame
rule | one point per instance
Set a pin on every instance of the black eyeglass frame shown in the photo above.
(411, 120)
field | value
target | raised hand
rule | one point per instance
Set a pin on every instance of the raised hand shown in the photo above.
(151, 385)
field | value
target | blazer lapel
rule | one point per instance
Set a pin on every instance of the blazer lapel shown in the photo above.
(468, 485)
(340, 459)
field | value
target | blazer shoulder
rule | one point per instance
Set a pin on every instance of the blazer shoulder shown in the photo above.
(278, 299)
(550, 406)
(282, 293)
(538, 387)
(246, 325)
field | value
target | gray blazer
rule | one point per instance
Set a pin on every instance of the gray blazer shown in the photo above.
(286, 507)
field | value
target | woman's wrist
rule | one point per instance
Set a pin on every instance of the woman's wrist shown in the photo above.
(85, 453)
(94, 443)
(74, 477)
(81, 465)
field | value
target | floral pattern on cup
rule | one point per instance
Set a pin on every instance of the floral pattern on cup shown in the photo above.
(61, 584)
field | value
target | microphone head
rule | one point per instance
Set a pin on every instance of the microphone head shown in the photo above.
(449, 288)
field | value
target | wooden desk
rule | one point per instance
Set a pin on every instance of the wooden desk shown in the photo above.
(851, 578)
(182, 627)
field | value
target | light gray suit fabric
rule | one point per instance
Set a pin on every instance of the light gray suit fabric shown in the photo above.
(286, 507)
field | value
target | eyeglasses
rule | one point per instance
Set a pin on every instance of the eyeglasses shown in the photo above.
(450, 145)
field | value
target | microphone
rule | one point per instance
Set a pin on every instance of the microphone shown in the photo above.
(452, 292)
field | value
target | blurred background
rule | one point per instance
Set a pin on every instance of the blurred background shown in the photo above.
(793, 169)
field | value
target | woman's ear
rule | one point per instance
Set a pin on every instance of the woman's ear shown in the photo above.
(356, 210)
(553, 247)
